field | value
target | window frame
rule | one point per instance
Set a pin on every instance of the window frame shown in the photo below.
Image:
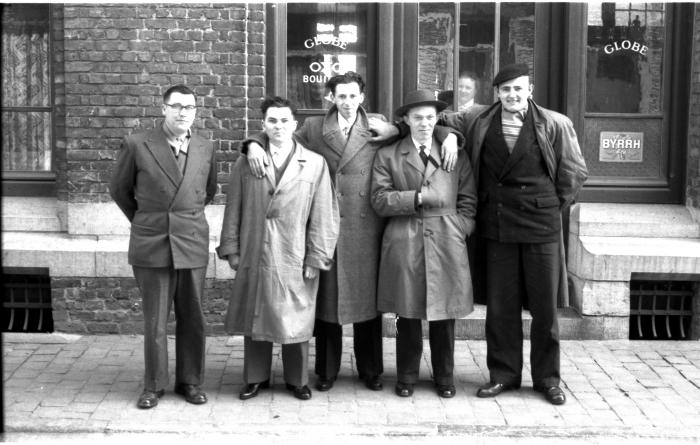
(36, 183)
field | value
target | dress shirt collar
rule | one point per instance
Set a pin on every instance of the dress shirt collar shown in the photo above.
(179, 143)
(427, 146)
(280, 154)
(344, 123)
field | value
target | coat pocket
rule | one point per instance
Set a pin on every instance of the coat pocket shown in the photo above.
(550, 201)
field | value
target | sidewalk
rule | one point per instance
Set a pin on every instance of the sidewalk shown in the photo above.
(59, 386)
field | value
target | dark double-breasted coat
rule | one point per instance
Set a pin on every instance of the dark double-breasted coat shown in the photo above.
(165, 207)
(424, 271)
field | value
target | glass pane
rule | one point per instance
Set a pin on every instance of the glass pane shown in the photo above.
(625, 57)
(435, 46)
(26, 141)
(25, 60)
(517, 34)
(323, 40)
(476, 51)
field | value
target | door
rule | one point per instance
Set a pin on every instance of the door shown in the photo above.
(629, 84)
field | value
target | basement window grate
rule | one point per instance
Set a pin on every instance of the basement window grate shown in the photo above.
(661, 310)
(26, 300)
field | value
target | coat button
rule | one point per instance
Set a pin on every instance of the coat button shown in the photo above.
(500, 185)
(522, 187)
(363, 215)
(420, 221)
(363, 171)
(362, 193)
(271, 192)
(500, 205)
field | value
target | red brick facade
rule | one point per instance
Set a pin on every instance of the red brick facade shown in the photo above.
(118, 60)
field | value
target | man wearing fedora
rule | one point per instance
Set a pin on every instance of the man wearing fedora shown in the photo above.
(528, 167)
(424, 268)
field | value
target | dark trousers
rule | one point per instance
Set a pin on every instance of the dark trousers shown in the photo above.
(160, 288)
(257, 361)
(367, 345)
(511, 270)
(409, 349)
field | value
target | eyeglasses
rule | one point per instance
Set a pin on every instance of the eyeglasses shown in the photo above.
(180, 107)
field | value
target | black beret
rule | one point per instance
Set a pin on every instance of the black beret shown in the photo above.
(510, 72)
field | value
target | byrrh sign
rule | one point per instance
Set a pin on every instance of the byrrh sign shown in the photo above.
(621, 147)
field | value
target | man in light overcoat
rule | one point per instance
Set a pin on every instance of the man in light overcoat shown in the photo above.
(278, 232)
(163, 179)
(424, 269)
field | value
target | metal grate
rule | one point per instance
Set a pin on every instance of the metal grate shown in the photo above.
(26, 300)
(661, 310)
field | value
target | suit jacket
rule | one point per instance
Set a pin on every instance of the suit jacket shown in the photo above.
(165, 207)
(424, 271)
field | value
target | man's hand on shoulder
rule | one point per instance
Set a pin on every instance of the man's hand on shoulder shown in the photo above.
(383, 130)
(257, 159)
(449, 152)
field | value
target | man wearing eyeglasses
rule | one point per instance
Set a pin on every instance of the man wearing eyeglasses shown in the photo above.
(163, 179)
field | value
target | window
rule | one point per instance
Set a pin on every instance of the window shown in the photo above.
(490, 35)
(27, 99)
(324, 40)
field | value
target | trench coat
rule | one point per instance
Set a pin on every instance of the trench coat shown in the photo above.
(277, 227)
(348, 291)
(165, 207)
(424, 267)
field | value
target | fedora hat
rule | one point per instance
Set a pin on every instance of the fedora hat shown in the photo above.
(420, 98)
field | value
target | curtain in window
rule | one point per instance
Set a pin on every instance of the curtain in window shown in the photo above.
(26, 132)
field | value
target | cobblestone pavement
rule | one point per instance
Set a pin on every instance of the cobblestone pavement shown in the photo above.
(85, 387)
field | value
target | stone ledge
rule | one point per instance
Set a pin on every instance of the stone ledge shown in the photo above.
(605, 258)
(83, 255)
(31, 214)
(633, 220)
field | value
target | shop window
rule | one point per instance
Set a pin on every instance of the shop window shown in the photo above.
(490, 35)
(27, 103)
(625, 57)
(324, 39)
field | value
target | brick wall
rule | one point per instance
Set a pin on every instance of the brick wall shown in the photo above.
(693, 165)
(113, 306)
(120, 59)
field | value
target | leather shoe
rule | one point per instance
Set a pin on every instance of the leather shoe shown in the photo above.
(324, 384)
(494, 389)
(149, 399)
(300, 392)
(404, 389)
(446, 391)
(374, 382)
(192, 393)
(251, 389)
(553, 394)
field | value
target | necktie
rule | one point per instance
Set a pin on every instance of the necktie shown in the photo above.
(423, 156)
(180, 155)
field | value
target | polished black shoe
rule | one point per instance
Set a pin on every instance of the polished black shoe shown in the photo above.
(192, 393)
(553, 394)
(149, 399)
(374, 382)
(324, 384)
(300, 392)
(494, 389)
(446, 391)
(251, 389)
(404, 389)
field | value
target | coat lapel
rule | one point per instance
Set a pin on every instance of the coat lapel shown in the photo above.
(431, 168)
(294, 168)
(358, 138)
(332, 135)
(158, 145)
(525, 140)
(195, 158)
(410, 154)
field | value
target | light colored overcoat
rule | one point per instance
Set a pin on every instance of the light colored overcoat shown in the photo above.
(424, 268)
(348, 291)
(277, 227)
(165, 207)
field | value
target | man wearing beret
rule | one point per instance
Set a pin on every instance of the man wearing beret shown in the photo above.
(528, 167)
(424, 267)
